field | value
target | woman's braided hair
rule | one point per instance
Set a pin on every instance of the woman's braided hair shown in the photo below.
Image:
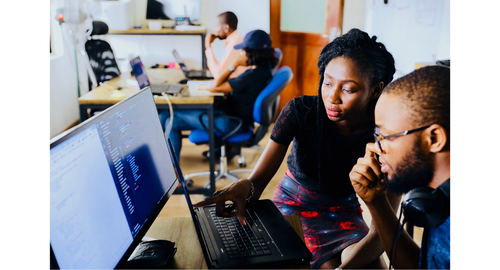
(371, 57)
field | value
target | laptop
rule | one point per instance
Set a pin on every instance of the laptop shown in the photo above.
(192, 74)
(268, 241)
(110, 177)
(142, 78)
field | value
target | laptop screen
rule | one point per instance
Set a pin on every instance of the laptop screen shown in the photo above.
(180, 61)
(109, 178)
(139, 72)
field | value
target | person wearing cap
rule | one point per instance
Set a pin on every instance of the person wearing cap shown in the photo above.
(257, 55)
(225, 29)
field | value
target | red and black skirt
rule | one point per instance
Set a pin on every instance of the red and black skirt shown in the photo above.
(329, 225)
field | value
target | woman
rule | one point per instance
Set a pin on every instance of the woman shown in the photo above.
(242, 91)
(329, 133)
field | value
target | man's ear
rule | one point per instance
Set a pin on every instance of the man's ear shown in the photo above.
(437, 138)
(377, 90)
(225, 28)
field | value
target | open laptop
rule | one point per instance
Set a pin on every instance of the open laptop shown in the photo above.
(142, 78)
(110, 176)
(192, 74)
(268, 240)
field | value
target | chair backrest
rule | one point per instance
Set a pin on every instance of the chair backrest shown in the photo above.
(101, 56)
(279, 55)
(266, 104)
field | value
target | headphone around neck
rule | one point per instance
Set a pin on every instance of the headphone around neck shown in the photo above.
(427, 207)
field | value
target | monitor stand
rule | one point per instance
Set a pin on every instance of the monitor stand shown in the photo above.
(152, 254)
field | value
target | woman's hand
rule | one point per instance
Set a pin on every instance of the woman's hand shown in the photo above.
(237, 192)
(366, 176)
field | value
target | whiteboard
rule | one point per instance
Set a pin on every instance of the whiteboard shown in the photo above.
(414, 31)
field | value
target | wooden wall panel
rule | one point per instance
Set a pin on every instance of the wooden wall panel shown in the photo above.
(289, 59)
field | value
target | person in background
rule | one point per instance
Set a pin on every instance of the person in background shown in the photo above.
(225, 29)
(413, 147)
(256, 55)
(328, 133)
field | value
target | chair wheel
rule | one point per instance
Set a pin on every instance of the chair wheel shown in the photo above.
(243, 165)
(189, 183)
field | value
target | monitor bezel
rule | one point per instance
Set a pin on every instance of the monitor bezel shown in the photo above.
(142, 232)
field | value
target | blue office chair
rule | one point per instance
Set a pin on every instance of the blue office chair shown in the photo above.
(279, 55)
(264, 111)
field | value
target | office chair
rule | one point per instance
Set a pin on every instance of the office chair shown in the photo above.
(279, 55)
(264, 110)
(102, 65)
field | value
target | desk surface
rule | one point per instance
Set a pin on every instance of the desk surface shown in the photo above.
(189, 254)
(146, 31)
(107, 93)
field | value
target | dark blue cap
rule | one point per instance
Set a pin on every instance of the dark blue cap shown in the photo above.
(256, 39)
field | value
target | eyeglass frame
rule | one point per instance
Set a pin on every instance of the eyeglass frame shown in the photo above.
(404, 133)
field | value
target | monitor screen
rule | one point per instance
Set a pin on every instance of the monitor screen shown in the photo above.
(109, 178)
(170, 9)
(139, 72)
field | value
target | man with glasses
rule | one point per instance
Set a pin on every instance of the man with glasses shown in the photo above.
(411, 153)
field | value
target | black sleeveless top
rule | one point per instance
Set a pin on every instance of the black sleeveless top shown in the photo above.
(337, 153)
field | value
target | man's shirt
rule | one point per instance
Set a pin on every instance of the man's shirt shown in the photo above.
(435, 249)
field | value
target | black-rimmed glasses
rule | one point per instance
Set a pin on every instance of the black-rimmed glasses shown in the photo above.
(379, 137)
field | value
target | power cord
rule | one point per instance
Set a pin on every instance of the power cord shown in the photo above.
(169, 126)
(395, 237)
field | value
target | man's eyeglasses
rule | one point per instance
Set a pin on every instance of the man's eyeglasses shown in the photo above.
(379, 137)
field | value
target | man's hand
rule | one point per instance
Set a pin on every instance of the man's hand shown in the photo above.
(237, 192)
(209, 39)
(241, 60)
(366, 176)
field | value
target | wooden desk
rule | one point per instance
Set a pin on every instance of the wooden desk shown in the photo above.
(106, 95)
(180, 230)
(168, 31)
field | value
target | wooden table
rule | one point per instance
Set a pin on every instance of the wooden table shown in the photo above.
(168, 31)
(180, 230)
(106, 95)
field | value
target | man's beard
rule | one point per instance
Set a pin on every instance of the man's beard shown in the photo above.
(415, 170)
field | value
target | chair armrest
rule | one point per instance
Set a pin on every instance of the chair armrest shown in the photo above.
(231, 133)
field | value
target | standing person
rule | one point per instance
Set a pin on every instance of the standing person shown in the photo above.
(257, 56)
(413, 144)
(225, 29)
(329, 133)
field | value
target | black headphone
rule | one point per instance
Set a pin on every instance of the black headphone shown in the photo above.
(423, 207)
(427, 207)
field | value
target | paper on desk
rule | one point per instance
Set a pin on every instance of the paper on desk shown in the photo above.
(185, 27)
(200, 88)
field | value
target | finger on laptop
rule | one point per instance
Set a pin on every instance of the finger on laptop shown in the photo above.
(211, 200)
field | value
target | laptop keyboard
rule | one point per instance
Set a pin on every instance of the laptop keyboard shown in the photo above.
(240, 241)
(159, 88)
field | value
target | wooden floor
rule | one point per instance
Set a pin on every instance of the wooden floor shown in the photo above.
(192, 160)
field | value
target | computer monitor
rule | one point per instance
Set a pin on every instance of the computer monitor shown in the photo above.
(109, 178)
(172, 9)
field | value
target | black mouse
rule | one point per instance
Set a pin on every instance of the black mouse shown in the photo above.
(183, 81)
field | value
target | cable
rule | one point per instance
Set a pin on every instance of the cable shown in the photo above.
(169, 126)
(394, 237)
(399, 234)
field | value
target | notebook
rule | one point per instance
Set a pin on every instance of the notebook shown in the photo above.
(268, 240)
(192, 74)
(142, 78)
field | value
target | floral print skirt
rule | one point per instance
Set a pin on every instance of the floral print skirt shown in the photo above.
(329, 225)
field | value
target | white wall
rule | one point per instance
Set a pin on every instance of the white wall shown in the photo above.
(413, 31)
(354, 15)
(63, 80)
